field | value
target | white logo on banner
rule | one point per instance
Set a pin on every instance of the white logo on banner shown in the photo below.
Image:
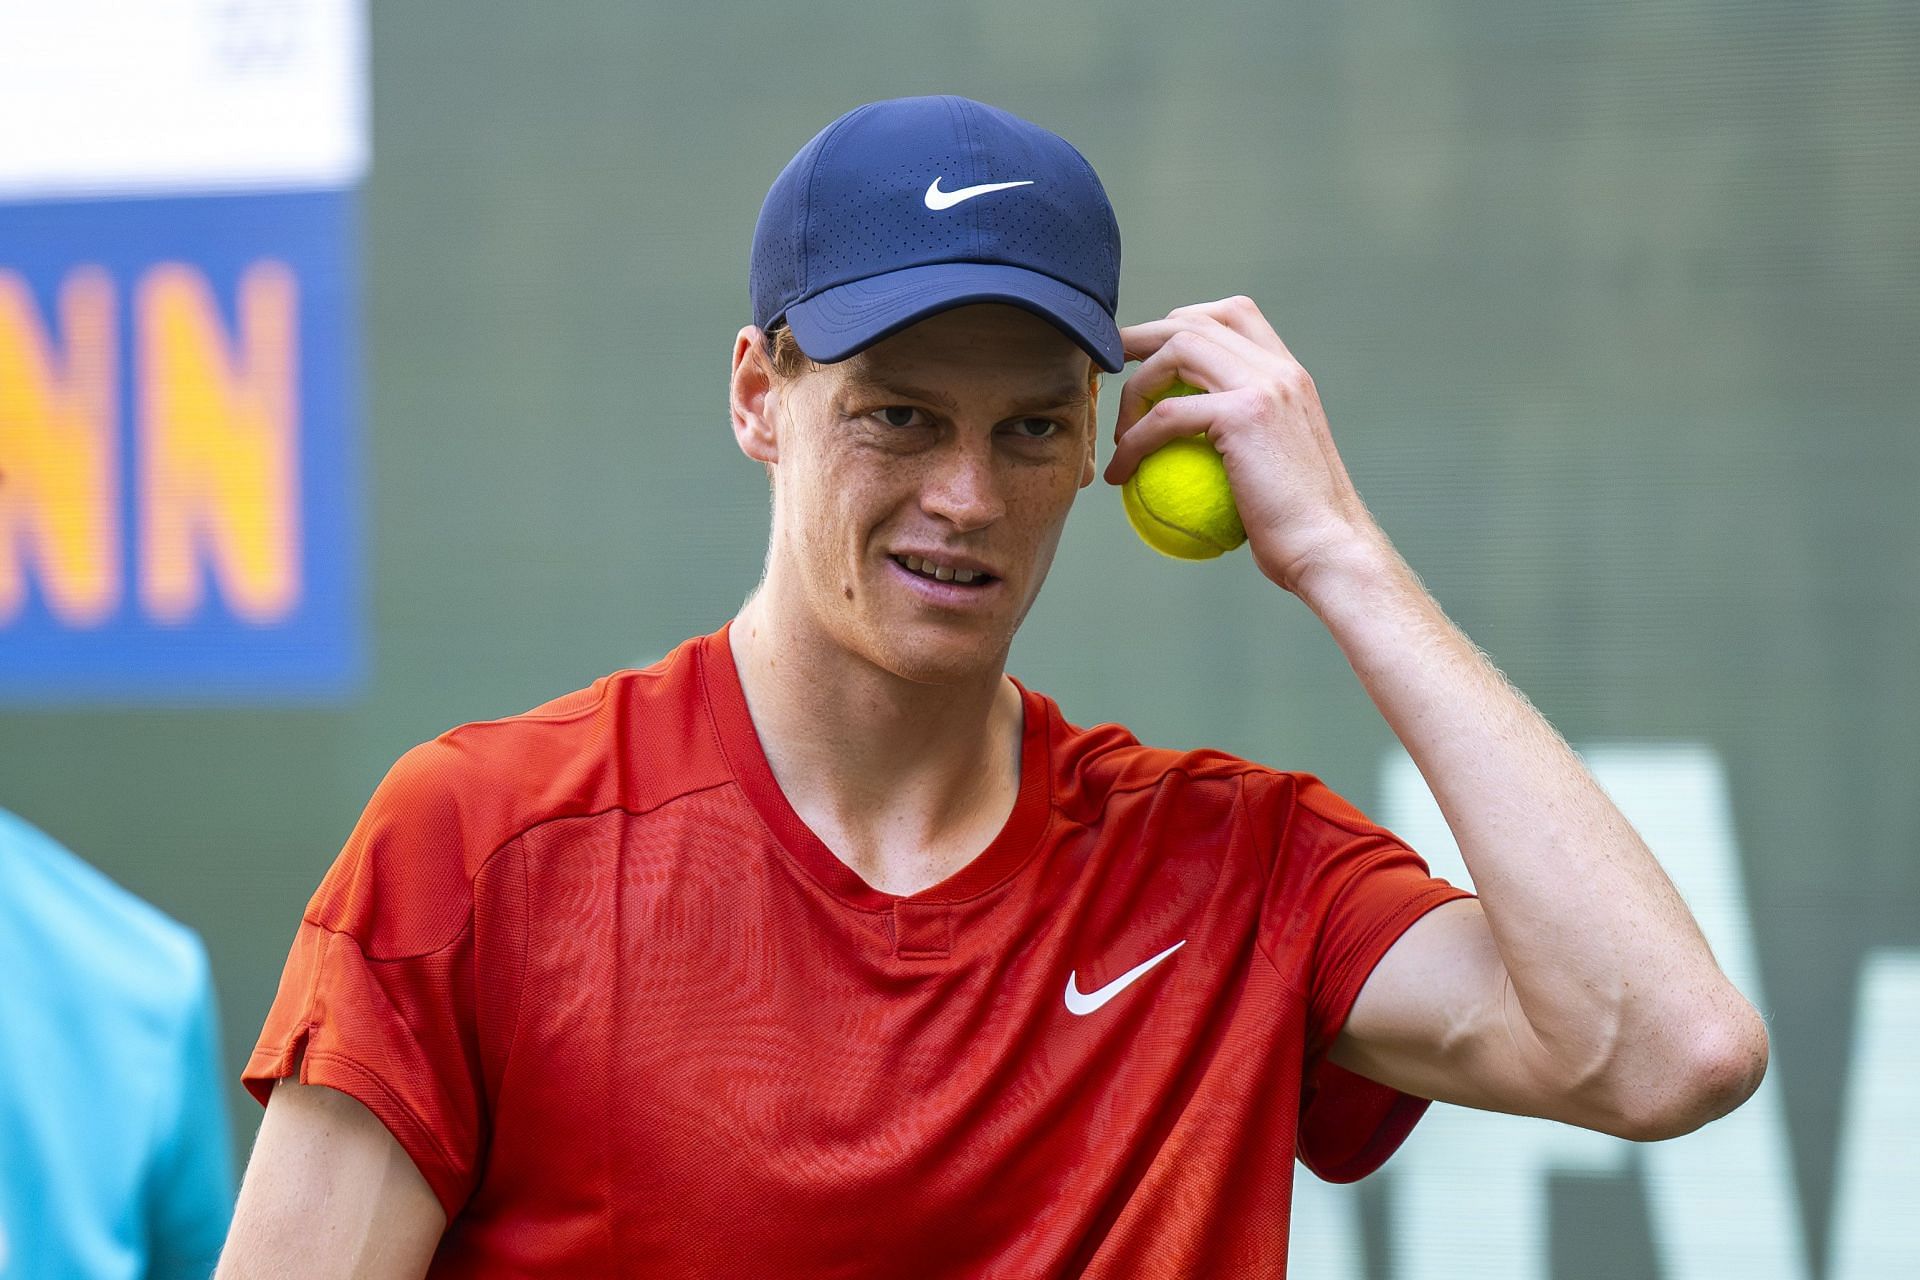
(1468, 1192)
(181, 95)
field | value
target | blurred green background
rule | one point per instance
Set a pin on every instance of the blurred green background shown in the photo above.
(1611, 308)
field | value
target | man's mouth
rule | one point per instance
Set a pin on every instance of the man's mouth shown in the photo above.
(939, 571)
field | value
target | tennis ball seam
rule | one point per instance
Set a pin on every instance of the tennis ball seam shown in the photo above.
(1166, 539)
(1198, 535)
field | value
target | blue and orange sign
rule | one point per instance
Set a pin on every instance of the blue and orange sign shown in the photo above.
(178, 403)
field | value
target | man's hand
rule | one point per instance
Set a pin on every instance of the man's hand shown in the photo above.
(1262, 412)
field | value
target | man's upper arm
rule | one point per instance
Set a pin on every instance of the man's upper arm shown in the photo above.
(1438, 1018)
(330, 1195)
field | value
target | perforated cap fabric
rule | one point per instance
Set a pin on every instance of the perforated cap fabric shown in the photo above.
(906, 207)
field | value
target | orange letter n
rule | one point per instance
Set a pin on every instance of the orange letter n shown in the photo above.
(219, 445)
(59, 455)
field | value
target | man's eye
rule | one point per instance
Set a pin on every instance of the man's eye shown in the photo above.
(1048, 428)
(901, 416)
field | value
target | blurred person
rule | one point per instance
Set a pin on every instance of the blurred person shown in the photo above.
(115, 1154)
(825, 947)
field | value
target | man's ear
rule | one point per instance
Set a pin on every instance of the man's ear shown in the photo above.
(1088, 471)
(752, 397)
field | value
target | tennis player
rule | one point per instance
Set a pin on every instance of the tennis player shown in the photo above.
(824, 947)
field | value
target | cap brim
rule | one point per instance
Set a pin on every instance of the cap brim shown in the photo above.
(841, 321)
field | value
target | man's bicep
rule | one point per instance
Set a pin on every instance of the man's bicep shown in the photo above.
(325, 1169)
(1437, 1018)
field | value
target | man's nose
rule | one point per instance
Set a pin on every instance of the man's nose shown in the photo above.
(962, 487)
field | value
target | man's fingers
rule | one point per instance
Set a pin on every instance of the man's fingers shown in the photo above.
(1185, 356)
(1142, 341)
(1167, 420)
(1240, 314)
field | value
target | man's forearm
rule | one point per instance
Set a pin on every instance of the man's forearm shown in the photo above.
(1607, 963)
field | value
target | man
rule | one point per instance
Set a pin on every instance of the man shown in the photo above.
(824, 947)
(115, 1156)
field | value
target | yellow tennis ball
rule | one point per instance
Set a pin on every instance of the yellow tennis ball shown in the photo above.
(1178, 499)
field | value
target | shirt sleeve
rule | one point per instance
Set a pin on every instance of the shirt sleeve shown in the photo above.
(1343, 890)
(377, 998)
(190, 1189)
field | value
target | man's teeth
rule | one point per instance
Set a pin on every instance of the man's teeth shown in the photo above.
(945, 573)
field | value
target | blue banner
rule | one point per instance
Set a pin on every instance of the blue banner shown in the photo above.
(179, 412)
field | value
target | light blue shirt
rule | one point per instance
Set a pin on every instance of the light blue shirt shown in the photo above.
(115, 1156)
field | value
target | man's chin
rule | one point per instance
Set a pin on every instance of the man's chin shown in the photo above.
(940, 660)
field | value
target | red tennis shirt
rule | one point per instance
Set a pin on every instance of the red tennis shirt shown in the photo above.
(630, 1016)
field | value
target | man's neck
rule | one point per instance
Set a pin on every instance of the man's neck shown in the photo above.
(905, 782)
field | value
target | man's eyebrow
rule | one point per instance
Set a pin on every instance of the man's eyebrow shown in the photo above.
(1056, 396)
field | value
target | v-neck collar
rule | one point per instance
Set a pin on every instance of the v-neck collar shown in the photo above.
(740, 742)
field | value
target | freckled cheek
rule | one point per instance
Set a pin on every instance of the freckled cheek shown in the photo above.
(848, 507)
(1037, 502)
(1040, 497)
(1048, 487)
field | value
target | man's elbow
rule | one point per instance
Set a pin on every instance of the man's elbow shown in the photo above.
(1717, 1069)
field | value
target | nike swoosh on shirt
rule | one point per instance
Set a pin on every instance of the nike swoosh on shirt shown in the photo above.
(938, 199)
(1086, 1002)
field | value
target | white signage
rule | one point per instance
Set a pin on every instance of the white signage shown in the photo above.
(149, 97)
(1468, 1195)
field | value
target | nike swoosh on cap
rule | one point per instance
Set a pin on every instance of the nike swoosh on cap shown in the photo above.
(938, 199)
(1083, 1003)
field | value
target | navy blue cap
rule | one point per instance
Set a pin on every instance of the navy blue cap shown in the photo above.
(902, 208)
